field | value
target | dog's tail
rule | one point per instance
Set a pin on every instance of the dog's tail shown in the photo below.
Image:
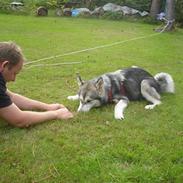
(166, 82)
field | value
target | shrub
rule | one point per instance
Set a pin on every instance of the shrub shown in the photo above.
(113, 15)
(179, 12)
(45, 3)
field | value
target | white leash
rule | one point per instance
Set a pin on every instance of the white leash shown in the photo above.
(163, 28)
(168, 22)
(84, 50)
(56, 64)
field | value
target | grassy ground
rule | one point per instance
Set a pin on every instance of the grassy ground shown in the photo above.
(147, 147)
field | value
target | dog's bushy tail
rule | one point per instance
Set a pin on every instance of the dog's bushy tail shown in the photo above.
(166, 82)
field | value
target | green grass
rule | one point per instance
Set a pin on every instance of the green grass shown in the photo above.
(147, 147)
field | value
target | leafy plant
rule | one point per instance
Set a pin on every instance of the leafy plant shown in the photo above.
(179, 11)
(112, 15)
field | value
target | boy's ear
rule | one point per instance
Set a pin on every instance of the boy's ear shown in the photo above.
(80, 81)
(3, 65)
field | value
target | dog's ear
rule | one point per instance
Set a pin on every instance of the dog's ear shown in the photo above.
(99, 85)
(80, 81)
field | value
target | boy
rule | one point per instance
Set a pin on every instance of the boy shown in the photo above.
(14, 108)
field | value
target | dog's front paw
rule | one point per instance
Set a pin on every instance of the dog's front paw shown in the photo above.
(75, 97)
(70, 97)
(150, 107)
(118, 115)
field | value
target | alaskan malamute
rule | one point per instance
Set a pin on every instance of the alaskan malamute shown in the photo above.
(122, 86)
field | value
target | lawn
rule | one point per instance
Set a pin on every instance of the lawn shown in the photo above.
(146, 147)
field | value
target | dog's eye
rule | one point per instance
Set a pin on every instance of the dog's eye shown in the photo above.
(87, 101)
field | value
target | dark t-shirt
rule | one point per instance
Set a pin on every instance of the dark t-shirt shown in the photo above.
(4, 98)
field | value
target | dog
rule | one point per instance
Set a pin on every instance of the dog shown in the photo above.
(122, 86)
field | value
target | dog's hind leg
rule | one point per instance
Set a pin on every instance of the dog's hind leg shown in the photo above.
(119, 109)
(150, 94)
(74, 97)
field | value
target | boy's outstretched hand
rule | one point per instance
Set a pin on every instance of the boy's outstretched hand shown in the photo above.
(64, 113)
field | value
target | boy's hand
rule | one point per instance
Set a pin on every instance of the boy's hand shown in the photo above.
(64, 113)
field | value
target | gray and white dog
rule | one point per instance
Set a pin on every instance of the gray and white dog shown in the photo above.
(122, 86)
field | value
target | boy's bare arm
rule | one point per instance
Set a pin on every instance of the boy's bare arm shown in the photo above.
(13, 115)
(30, 104)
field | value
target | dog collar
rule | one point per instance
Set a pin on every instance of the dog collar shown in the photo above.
(122, 92)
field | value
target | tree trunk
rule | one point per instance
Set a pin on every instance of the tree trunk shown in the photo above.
(170, 14)
(155, 8)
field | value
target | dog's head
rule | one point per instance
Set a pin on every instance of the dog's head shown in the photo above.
(90, 93)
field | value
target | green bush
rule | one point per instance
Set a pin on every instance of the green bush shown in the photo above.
(113, 15)
(47, 4)
(144, 5)
(6, 8)
(179, 12)
(31, 5)
(4, 5)
(138, 4)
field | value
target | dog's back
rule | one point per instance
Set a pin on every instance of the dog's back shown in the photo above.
(132, 82)
(127, 83)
